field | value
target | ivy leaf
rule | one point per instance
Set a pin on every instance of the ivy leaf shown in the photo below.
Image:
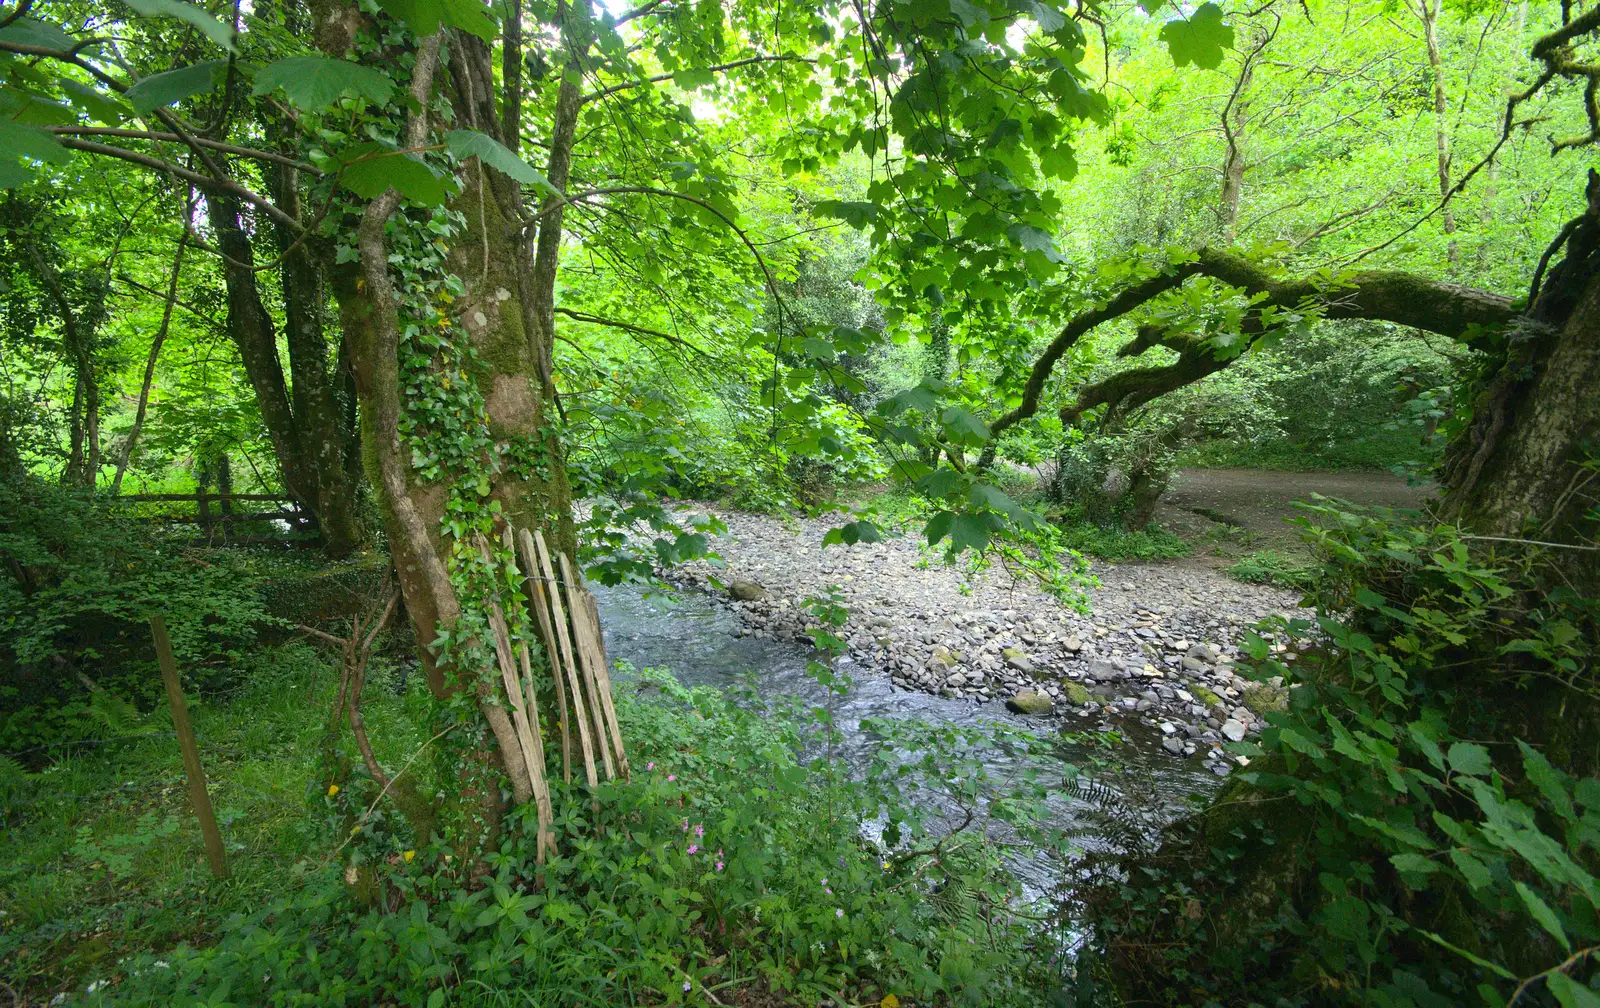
(315, 82)
(372, 168)
(1546, 917)
(470, 143)
(1201, 38)
(1470, 759)
(209, 26)
(33, 32)
(425, 16)
(165, 88)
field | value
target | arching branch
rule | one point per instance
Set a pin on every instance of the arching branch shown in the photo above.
(658, 78)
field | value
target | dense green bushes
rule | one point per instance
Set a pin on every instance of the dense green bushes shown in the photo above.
(1421, 826)
(727, 865)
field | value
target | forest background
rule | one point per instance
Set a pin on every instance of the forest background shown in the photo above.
(995, 271)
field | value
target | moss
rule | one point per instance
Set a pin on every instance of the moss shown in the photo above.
(1264, 699)
(1205, 696)
(1075, 693)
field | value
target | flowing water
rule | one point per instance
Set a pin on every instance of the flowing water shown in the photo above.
(700, 644)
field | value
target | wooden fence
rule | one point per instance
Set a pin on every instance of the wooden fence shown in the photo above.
(220, 515)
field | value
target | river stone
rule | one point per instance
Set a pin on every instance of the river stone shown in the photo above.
(1173, 745)
(1017, 660)
(1101, 668)
(1233, 730)
(746, 591)
(1205, 652)
(1075, 694)
(1030, 702)
(943, 657)
(1073, 644)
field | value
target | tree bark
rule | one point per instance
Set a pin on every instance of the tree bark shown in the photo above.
(125, 456)
(1428, 13)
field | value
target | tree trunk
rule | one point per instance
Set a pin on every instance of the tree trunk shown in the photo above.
(125, 456)
(1527, 466)
(1428, 12)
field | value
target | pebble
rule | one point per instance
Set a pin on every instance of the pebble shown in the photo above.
(1158, 646)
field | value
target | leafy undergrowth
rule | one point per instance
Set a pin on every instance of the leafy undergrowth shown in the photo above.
(1272, 567)
(725, 872)
(1119, 544)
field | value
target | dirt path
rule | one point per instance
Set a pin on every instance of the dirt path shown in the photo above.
(1254, 505)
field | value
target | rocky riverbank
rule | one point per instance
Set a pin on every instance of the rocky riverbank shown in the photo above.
(1158, 645)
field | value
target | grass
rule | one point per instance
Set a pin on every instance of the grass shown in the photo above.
(103, 855)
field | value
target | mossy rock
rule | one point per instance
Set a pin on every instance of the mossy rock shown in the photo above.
(1206, 697)
(1264, 698)
(1076, 694)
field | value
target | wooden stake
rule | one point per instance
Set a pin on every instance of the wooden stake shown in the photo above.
(580, 647)
(586, 628)
(198, 797)
(530, 697)
(541, 609)
(508, 676)
(564, 645)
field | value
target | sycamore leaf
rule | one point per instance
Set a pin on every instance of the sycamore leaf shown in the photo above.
(470, 143)
(209, 26)
(857, 214)
(1034, 239)
(315, 82)
(425, 16)
(961, 425)
(1201, 38)
(991, 497)
(968, 531)
(165, 88)
(372, 168)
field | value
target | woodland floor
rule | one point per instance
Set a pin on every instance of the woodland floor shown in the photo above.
(1254, 506)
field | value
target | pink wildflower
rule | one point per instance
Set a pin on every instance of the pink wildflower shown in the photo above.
(838, 912)
(693, 848)
(671, 778)
(699, 829)
(650, 766)
(719, 863)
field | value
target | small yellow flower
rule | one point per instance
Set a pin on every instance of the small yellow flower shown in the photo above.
(408, 855)
(889, 1001)
(333, 789)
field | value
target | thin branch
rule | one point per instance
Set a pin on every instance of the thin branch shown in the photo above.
(226, 148)
(658, 78)
(630, 327)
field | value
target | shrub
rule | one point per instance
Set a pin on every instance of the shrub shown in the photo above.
(1274, 568)
(725, 864)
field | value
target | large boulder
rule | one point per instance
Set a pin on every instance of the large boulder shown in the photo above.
(1031, 702)
(746, 591)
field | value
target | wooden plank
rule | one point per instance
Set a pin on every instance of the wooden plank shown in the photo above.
(574, 689)
(541, 610)
(580, 635)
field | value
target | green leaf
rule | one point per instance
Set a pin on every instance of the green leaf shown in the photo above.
(425, 16)
(1569, 992)
(939, 482)
(1471, 869)
(470, 143)
(1548, 780)
(1470, 759)
(1032, 239)
(209, 26)
(857, 214)
(1201, 38)
(963, 426)
(372, 168)
(1546, 917)
(165, 88)
(1413, 864)
(33, 32)
(103, 107)
(17, 140)
(968, 531)
(315, 82)
(991, 497)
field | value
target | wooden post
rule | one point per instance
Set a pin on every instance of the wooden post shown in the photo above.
(191, 752)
